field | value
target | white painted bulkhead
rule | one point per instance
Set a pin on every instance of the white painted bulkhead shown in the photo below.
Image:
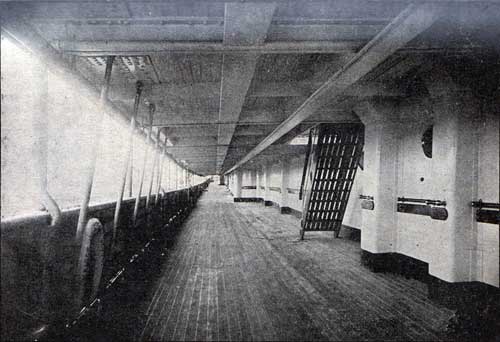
(463, 168)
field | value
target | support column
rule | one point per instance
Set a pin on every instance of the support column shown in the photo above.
(253, 182)
(176, 176)
(267, 183)
(285, 175)
(258, 177)
(379, 226)
(40, 151)
(89, 172)
(237, 184)
(40, 125)
(454, 165)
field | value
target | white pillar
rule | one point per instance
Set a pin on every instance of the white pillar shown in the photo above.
(237, 184)
(258, 177)
(454, 163)
(285, 175)
(267, 179)
(253, 182)
(379, 226)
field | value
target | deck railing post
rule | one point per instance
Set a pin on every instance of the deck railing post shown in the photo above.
(128, 160)
(131, 171)
(176, 177)
(144, 160)
(160, 174)
(89, 177)
(156, 152)
(170, 178)
(40, 149)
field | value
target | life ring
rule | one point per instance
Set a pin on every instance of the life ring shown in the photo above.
(90, 262)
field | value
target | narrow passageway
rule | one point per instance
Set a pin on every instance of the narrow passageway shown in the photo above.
(238, 272)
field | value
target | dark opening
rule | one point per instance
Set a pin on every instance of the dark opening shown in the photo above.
(427, 142)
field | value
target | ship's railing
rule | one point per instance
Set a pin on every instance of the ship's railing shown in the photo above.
(43, 283)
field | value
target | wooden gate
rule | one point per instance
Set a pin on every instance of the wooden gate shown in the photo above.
(329, 171)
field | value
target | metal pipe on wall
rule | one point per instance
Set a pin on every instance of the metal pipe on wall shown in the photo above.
(89, 177)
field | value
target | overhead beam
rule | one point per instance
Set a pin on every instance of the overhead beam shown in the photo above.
(262, 116)
(245, 24)
(140, 48)
(415, 19)
(261, 89)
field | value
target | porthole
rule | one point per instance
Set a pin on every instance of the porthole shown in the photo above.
(427, 142)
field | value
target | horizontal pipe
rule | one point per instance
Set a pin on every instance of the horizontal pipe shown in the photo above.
(422, 200)
(488, 205)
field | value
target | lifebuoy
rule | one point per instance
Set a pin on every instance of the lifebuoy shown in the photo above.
(90, 262)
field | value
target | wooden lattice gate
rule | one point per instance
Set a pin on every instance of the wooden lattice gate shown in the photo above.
(329, 171)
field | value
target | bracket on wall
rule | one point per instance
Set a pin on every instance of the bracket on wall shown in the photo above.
(484, 215)
(367, 202)
(427, 207)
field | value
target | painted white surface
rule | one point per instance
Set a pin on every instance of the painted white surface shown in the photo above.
(488, 190)
(464, 167)
(248, 179)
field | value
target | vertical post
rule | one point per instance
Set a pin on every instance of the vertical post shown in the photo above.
(89, 177)
(40, 147)
(156, 152)
(257, 182)
(176, 176)
(160, 174)
(267, 179)
(169, 175)
(239, 179)
(285, 170)
(253, 182)
(131, 170)
(40, 131)
(144, 160)
(128, 160)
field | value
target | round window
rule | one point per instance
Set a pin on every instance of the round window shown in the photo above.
(427, 142)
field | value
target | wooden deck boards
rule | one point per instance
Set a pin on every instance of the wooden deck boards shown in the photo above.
(238, 272)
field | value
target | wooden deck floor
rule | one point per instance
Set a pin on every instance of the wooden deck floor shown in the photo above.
(238, 272)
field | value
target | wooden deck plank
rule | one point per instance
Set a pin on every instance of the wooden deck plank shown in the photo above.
(237, 271)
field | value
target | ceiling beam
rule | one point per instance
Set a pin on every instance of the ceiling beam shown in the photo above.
(139, 48)
(415, 19)
(245, 24)
(262, 116)
(260, 89)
